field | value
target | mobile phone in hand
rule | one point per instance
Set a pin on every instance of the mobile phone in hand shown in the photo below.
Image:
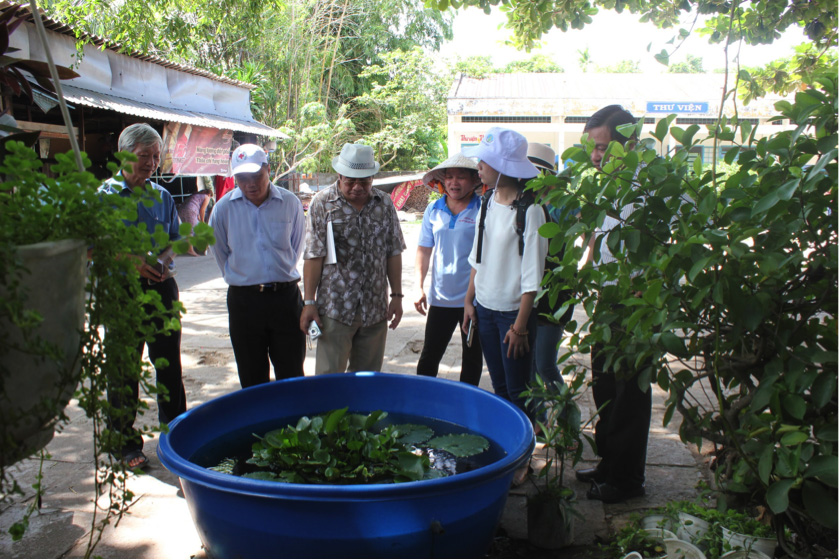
(470, 333)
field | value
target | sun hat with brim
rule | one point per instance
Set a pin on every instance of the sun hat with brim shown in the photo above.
(542, 156)
(356, 160)
(247, 158)
(456, 161)
(505, 151)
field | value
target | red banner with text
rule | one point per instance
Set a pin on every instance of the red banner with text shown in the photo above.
(401, 193)
(195, 150)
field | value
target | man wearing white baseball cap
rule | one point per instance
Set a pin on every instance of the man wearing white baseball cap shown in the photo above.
(353, 254)
(260, 230)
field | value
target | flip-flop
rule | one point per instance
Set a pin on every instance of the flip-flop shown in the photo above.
(134, 455)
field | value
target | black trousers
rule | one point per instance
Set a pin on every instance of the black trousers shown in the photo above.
(623, 427)
(441, 323)
(266, 325)
(124, 394)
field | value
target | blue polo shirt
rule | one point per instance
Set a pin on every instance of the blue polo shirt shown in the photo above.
(162, 212)
(451, 237)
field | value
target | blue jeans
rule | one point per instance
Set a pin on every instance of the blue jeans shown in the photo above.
(545, 353)
(509, 375)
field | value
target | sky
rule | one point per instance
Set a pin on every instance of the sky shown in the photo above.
(477, 34)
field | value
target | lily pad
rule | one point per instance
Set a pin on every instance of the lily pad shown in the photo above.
(413, 434)
(460, 445)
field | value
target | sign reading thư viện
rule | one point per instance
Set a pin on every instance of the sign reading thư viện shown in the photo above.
(195, 150)
(677, 106)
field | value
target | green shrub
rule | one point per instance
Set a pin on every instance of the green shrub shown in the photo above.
(727, 288)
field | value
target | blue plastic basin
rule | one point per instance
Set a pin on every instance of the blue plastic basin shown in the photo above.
(448, 517)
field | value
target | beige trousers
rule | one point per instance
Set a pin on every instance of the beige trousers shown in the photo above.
(350, 347)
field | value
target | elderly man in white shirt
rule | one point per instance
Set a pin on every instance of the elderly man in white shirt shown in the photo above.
(260, 231)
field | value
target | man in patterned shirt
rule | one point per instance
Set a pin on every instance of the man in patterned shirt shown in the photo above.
(352, 307)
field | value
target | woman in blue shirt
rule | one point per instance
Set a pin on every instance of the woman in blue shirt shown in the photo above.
(448, 228)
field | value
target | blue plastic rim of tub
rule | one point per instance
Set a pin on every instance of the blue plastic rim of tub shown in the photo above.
(443, 518)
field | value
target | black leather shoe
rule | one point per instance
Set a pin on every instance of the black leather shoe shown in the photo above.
(590, 475)
(609, 494)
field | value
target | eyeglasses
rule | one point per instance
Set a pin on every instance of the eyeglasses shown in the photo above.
(362, 181)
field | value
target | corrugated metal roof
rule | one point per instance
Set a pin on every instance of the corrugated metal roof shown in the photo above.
(644, 86)
(104, 43)
(508, 86)
(151, 111)
(591, 86)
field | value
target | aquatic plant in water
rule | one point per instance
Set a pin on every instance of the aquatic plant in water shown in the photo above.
(341, 448)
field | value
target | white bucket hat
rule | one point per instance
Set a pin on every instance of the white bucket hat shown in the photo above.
(456, 161)
(542, 156)
(505, 151)
(356, 160)
(247, 158)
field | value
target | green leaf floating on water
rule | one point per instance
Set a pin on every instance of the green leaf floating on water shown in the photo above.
(460, 445)
(413, 434)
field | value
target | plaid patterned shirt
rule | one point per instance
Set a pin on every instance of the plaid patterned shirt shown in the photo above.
(363, 242)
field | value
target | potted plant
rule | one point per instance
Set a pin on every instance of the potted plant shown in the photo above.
(742, 532)
(696, 523)
(658, 522)
(652, 527)
(550, 510)
(40, 319)
(65, 217)
(59, 216)
(632, 542)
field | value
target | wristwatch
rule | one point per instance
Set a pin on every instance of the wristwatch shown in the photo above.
(309, 302)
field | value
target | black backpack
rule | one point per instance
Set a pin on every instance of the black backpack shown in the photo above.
(521, 204)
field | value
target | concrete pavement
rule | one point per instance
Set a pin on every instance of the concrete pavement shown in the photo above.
(159, 525)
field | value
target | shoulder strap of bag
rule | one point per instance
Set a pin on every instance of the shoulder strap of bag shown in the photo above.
(485, 198)
(524, 200)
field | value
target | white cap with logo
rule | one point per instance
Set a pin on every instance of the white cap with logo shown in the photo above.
(247, 158)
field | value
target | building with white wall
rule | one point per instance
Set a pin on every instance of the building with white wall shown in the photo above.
(553, 108)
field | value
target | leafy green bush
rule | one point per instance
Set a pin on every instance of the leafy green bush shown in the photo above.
(728, 289)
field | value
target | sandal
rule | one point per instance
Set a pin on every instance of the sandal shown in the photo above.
(137, 457)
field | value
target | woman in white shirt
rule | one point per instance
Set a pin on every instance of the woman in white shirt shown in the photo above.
(507, 265)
